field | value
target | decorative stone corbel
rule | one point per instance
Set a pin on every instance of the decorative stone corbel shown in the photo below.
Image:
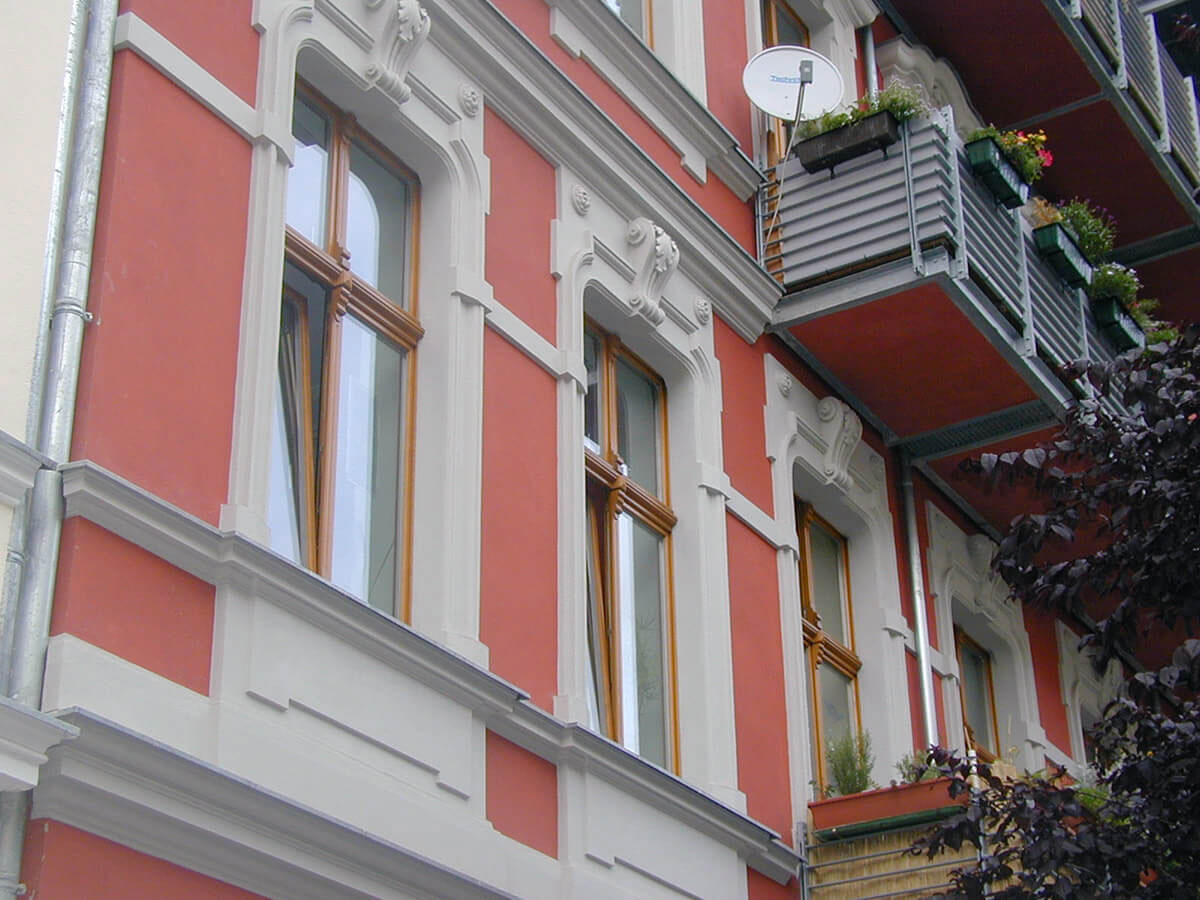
(842, 430)
(655, 258)
(406, 30)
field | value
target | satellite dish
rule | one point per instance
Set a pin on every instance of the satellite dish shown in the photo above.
(773, 80)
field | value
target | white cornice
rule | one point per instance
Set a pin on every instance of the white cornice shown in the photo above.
(123, 786)
(25, 736)
(532, 93)
(672, 107)
(220, 557)
(18, 464)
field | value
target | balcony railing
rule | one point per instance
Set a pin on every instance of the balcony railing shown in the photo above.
(1139, 64)
(923, 202)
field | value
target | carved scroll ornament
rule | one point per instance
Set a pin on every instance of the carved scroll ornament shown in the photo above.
(406, 30)
(655, 258)
(842, 430)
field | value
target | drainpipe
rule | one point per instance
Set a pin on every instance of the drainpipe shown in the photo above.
(920, 622)
(56, 403)
(868, 44)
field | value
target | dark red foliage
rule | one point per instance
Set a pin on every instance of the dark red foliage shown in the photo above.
(1134, 479)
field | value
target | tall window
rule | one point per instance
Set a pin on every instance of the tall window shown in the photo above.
(635, 14)
(340, 455)
(828, 635)
(781, 25)
(977, 695)
(631, 693)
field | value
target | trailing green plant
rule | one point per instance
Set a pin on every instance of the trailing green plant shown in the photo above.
(1093, 228)
(1025, 150)
(903, 101)
(1117, 281)
(914, 767)
(850, 762)
(1155, 329)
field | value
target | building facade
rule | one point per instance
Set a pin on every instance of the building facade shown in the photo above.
(464, 464)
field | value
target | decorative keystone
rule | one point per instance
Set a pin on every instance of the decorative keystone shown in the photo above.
(842, 430)
(392, 57)
(655, 258)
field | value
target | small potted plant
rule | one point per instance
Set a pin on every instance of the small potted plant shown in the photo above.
(1055, 240)
(1113, 292)
(1008, 161)
(872, 123)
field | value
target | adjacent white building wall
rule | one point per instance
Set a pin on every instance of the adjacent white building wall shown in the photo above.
(36, 48)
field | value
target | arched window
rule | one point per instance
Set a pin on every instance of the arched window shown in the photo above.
(338, 502)
(631, 690)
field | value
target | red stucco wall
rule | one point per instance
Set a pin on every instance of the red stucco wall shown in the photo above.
(760, 707)
(519, 560)
(65, 863)
(128, 601)
(156, 381)
(522, 795)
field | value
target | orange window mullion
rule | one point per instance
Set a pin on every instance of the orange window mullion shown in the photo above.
(328, 431)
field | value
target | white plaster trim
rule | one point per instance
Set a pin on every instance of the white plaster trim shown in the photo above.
(19, 464)
(224, 558)
(648, 301)
(898, 60)
(26, 735)
(756, 519)
(151, 797)
(1081, 685)
(134, 33)
(853, 497)
(967, 592)
(567, 127)
(669, 104)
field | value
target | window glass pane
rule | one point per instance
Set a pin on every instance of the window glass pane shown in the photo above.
(828, 587)
(837, 703)
(377, 225)
(597, 698)
(638, 425)
(788, 29)
(308, 180)
(642, 636)
(592, 402)
(287, 487)
(630, 12)
(977, 700)
(366, 522)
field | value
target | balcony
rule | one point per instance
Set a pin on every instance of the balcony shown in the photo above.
(911, 290)
(1121, 118)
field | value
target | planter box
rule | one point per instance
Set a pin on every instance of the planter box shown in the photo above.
(884, 808)
(1117, 324)
(1060, 250)
(1001, 178)
(877, 132)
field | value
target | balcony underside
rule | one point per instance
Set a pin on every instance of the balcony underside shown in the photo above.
(1121, 120)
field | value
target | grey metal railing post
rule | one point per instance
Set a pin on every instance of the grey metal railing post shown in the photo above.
(961, 263)
(914, 237)
(1028, 346)
(1121, 76)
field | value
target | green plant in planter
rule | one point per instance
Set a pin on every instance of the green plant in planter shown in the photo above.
(901, 100)
(1113, 281)
(850, 762)
(1093, 228)
(914, 767)
(1025, 150)
(1156, 330)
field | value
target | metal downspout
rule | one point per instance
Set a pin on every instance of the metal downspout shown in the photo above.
(920, 622)
(869, 66)
(58, 198)
(56, 403)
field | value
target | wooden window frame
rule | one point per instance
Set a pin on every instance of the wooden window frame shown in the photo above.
(328, 264)
(611, 491)
(987, 754)
(820, 648)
